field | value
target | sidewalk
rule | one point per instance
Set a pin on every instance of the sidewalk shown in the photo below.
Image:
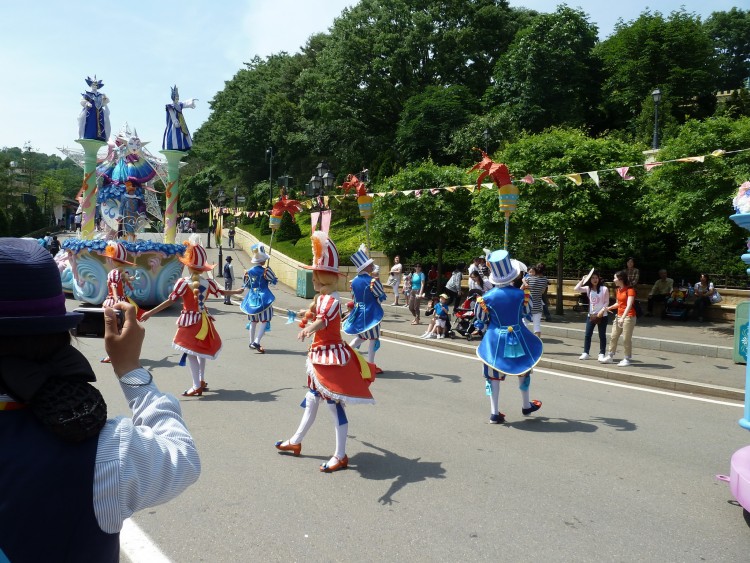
(687, 356)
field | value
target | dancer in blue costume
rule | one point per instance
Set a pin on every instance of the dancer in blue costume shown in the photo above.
(259, 299)
(508, 347)
(93, 121)
(176, 135)
(367, 312)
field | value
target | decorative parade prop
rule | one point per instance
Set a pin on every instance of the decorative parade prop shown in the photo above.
(739, 477)
(364, 201)
(291, 206)
(508, 192)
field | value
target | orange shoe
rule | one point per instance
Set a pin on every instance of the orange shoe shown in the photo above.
(193, 392)
(204, 386)
(296, 449)
(341, 464)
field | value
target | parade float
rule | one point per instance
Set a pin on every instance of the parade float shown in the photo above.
(118, 202)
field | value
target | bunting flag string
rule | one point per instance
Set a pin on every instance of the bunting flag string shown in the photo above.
(575, 177)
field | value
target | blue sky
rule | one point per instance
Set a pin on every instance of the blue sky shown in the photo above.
(139, 49)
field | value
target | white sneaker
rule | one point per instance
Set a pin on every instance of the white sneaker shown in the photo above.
(625, 362)
(584, 356)
(606, 359)
(431, 336)
(441, 336)
(424, 335)
(601, 357)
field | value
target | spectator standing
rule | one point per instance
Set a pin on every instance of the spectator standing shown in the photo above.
(478, 283)
(61, 456)
(704, 290)
(231, 234)
(453, 287)
(634, 273)
(394, 279)
(417, 292)
(625, 321)
(54, 246)
(598, 294)
(228, 274)
(537, 284)
(474, 264)
(660, 292)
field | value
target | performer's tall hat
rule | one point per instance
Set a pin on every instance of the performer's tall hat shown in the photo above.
(325, 253)
(360, 258)
(195, 255)
(259, 253)
(503, 270)
(116, 251)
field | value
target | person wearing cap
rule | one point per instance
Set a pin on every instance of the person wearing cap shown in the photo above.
(228, 274)
(368, 294)
(69, 475)
(117, 278)
(336, 375)
(258, 303)
(508, 347)
(437, 328)
(196, 335)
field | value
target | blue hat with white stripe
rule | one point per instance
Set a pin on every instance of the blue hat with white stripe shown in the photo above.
(360, 258)
(503, 270)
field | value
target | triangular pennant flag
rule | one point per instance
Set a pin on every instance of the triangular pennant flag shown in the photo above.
(451, 189)
(548, 180)
(692, 159)
(407, 192)
(651, 165)
(326, 199)
(471, 189)
(488, 185)
(435, 191)
(307, 204)
(528, 179)
(594, 175)
(381, 194)
(718, 152)
(417, 193)
(575, 178)
(623, 172)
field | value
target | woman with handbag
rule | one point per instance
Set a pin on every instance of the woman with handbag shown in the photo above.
(394, 279)
(598, 294)
(625, 320)
(705, 295)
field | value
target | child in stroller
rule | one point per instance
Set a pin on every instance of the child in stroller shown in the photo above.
(464, 323)
(676, 306)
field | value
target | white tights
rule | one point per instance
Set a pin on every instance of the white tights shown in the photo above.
(312, 402)
(197, 367)
(357, 342)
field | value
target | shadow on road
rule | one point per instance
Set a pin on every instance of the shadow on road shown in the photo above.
(391, 374)
(551, 425)
(619, 424)
(391, 466)
(242, 395)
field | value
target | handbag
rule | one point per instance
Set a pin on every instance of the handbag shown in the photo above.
(715, 297)
(595, 319)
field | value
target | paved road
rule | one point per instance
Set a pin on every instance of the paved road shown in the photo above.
(604, 472)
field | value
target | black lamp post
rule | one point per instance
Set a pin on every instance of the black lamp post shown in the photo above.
(322, 180)
(269, 156)
(210, 216)
(656, 95)
(220, 199)
(235, 199)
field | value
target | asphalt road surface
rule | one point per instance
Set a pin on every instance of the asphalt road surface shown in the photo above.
(603, 472)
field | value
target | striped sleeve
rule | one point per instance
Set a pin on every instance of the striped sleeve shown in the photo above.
(145, 460)
(213, 288)
(271, 277)
(180, 287)
(377, 289)
(328, 308)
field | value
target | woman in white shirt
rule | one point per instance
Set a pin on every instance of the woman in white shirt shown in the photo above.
(704, 291)
(598, 294)
(477, 281)
(394, 279)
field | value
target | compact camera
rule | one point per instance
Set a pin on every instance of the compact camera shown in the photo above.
(92, 323)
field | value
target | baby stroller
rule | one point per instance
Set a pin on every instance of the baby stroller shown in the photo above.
(464, 322)
(676, 306)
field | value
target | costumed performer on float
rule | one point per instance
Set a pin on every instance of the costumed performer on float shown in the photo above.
(176, 134)
(93, 121)
(196, 335)
(367, 311)
(258, 303)
(336, 374)
(508, 347)
(117, 278)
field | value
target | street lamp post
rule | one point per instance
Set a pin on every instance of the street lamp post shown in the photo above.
(656, 95)
(210, 216)
(235, 199)
(269, 156)
(220, 199)
(321, 181)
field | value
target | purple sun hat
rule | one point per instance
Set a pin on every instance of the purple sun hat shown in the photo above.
(31, 296)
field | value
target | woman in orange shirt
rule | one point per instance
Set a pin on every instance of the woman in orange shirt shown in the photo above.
(625, 320)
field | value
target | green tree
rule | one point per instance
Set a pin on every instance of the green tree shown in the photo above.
(549, 75)
(693, 199)
(730, 32)
(422, 222)
(549, 219)
(674, 54)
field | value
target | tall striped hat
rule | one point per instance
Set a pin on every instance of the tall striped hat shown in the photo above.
(503, 270)
(360, 258)
(325, 253)
(195, 256)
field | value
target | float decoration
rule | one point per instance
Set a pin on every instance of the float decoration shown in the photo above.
(507, 191)
(291, 206)
(364, 201)
(739, 477)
